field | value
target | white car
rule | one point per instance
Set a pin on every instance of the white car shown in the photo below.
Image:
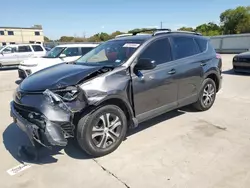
(13, 54)
(59, 54)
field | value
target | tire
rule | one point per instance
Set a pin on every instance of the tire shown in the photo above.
(95, 136)
(203, 102)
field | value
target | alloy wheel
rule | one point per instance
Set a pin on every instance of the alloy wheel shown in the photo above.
(107, 130)
(208, 95)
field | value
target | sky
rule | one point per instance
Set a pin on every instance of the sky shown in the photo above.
(88, 17)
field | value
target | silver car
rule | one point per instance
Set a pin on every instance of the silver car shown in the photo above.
(13, 54)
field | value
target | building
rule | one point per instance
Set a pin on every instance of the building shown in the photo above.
(17, 35)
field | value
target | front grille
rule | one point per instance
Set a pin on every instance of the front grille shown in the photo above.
(242, 67)
(21, 74)
(245, 60)
(25, 111)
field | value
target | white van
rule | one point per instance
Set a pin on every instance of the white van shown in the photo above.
(59, 54)
(13, 54)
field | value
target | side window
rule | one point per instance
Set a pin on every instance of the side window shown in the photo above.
(37, 48)
(184, 47)
(24, 49)
(9, 50)
(71, 52)
(85, 50)
(202, 44)
(10, 32)
(159, 51)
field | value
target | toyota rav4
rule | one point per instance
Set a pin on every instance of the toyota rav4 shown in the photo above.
(116, 86)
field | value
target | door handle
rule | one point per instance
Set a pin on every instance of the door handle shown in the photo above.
(172, 71)
(203, 64)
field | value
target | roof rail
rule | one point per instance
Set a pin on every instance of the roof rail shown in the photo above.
(147, 30)
(178, 31)
(129, 34)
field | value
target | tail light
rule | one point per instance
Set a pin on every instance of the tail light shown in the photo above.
(218, 56)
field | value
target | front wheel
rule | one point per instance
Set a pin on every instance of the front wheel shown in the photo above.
(101, 131)
(207, 95)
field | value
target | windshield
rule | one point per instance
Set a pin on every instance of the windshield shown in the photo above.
(111, 53)
(55, 52)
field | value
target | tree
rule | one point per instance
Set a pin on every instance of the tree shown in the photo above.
(236, 20)
(114, 34)
(79, 39)
(104, 36)
(141, 29)
(186, 29)
(66, 39)
(209, 29)
(46, 39)
(94, 38)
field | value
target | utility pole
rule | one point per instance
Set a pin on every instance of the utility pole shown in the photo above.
(161, 25)
(22, 34)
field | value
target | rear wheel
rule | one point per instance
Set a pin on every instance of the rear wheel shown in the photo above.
(101, 131)
(207, 95)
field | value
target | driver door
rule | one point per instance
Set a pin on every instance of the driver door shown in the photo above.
(155, 92)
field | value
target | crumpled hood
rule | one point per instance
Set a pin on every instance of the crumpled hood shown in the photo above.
(40, 60)
(57, 76)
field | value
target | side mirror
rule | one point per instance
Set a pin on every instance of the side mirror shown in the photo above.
(62, 56)
(145, 64)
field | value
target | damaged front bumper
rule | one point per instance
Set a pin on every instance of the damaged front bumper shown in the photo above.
(50, 134)
(45, 117)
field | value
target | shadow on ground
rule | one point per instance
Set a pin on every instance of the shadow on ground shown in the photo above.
(232, 72)
(6, 68)
(13, 137)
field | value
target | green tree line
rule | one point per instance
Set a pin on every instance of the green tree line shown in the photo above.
(232, 21)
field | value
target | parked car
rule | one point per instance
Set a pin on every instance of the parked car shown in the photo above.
(116, 86)
(241, 62)
(59, 54)
(13, 54)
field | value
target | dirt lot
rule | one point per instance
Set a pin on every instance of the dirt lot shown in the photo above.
(178, 149)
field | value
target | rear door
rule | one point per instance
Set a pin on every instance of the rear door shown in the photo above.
(72, 54)
(188, 68)
(24, 52)
(85, 50)
(157, 91)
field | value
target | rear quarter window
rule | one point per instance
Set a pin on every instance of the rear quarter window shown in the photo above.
(37, 48)
(184, 47)
(202, 43)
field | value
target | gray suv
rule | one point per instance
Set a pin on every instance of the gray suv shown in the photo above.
(116, 86)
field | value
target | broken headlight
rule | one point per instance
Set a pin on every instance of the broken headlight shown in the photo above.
(67, 94)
